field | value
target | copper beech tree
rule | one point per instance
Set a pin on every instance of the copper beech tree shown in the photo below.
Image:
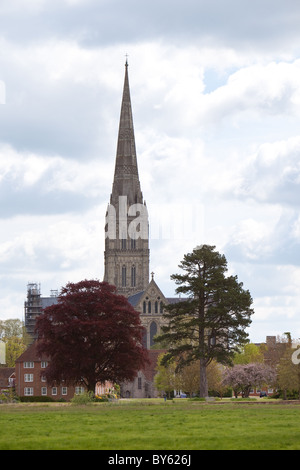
(91, 335)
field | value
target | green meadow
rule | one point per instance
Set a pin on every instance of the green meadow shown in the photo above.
(153, 424)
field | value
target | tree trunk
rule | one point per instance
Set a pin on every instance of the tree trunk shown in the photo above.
(203, 379)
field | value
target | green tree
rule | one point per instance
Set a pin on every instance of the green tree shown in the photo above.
(210, 322)
(249, 353)
(288, 372)
(15, 346)
(189, 377)
(166, 380)
(12, 333)
(11, 327)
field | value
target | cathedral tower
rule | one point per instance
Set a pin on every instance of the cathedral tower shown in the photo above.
(126, 256)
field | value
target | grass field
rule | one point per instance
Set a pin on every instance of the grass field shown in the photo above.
(145, 425)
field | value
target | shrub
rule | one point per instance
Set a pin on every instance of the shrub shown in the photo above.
(101, 398)
(8, 396)
(39, 399)
(85, 398)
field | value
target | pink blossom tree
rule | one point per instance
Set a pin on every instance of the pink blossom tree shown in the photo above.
(243, 377)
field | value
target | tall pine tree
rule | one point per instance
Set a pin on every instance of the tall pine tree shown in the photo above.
(209, 322)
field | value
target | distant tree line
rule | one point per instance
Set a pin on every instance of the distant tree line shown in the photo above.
(254, 366)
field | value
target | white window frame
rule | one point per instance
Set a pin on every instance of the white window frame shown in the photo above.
(28, 391)
(28, 365)
(44, 391)
(54, 391)
(28, 377)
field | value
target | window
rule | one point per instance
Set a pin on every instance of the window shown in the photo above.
(64, 390)
(144, 307)
(161, 307)
(28, 365)
(79, 390)
(156, 307)
(28, 391)
(140, 383)
(153, 331)
(133, 275)
(54, 390)
(43, 378)
(133, 244)
(123, 276)
(144, 340)
(123, 243)
(28, 378)
(44, 364)
(149, 307)
(44, 391)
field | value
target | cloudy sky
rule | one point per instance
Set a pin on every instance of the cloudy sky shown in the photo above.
(215, 89)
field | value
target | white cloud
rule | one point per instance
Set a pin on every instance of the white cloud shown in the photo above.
(272, 173)
(256, 90)
(37, 183)
(215, 94)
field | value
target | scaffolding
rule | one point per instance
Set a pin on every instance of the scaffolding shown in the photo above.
(32, 307)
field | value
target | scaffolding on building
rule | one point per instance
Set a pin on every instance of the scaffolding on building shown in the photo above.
(32, 307)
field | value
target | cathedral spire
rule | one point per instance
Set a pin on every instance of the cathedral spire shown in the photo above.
(126, 178)
(126, 245)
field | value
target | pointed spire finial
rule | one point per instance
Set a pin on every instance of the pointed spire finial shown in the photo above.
(126, 63)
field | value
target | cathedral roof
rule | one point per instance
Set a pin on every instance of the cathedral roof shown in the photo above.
(135, 298)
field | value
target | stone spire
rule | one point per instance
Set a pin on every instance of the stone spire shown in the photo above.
(126, 177)
(126, 255)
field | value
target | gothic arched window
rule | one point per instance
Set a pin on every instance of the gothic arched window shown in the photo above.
(144, 307)
(156, 307)
(144, 340)
(123, 239)
(123, 276)
(149, 307)
(133, 276)
(153, 332)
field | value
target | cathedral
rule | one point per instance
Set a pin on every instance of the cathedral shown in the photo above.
(127, 252)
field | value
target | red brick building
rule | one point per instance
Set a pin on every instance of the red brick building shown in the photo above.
(29, 379)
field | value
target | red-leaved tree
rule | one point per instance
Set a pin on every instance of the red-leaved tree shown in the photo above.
(91, 335)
